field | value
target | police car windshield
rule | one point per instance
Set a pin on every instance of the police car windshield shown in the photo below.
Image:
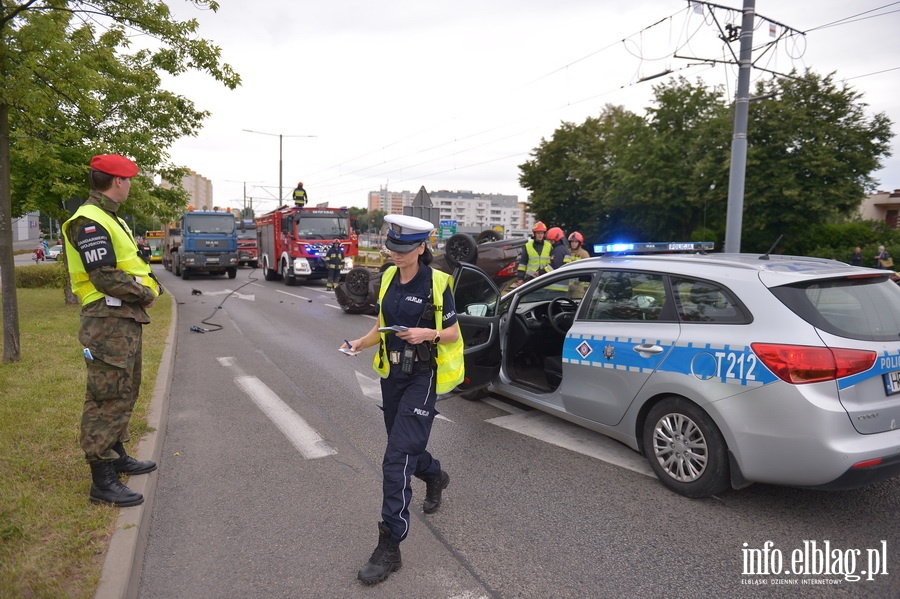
(209, 223)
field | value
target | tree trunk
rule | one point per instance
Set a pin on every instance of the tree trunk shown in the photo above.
(11, 349)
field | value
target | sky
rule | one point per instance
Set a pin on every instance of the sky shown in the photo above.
(401, 94)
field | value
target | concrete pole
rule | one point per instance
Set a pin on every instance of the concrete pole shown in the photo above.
(735, 216)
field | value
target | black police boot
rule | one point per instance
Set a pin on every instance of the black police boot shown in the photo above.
(107, 488)
(385, 559)
(433, 491)
(128, 465)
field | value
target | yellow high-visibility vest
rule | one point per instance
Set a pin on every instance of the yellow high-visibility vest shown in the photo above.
(451, 367)
(124, 246)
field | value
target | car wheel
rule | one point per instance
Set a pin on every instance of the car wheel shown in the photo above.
(685, 449)
(356, 284)
(232, 272)
(461, 248)
(488, 235)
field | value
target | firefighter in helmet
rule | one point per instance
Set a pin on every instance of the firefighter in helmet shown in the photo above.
(300, 196)
(334, 260)
(576, 246)
(535, 255)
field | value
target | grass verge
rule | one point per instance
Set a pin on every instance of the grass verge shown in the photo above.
(52, 539)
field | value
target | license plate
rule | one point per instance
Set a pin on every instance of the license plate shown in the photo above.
(892, 382)
(212, 261)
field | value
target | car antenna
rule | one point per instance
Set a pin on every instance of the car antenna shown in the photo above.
(771, 249)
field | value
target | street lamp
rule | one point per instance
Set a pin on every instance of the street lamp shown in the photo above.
(280, 137)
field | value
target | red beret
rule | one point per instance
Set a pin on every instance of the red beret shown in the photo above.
(115, 165)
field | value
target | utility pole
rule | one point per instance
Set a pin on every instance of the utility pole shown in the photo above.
(280, 167)
(734, 218)
(738, 167)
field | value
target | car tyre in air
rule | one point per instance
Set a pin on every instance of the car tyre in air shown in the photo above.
(356, 284)
(685, 449)
(461, 248)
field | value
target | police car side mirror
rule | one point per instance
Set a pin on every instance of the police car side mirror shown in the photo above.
(477, 309)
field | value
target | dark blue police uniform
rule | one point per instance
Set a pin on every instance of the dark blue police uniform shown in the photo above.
(409, 399)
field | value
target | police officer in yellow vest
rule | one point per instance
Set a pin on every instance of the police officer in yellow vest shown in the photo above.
(115, 286)
(535, 256)
(415, 364)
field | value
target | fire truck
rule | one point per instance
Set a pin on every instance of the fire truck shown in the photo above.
(247, 247)
(292, 242)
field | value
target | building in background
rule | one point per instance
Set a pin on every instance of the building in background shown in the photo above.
(198, 188)
(882, 206)
(472, 212)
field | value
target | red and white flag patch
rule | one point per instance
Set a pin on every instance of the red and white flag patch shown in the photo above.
(90, 229)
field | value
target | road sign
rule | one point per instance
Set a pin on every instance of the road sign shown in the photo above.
(448, 229)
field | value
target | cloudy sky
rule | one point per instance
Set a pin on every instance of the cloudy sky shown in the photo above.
(455, 95)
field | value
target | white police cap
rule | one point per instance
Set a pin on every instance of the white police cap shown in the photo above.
(406, 233)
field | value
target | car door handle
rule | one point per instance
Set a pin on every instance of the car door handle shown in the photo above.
(648, 349)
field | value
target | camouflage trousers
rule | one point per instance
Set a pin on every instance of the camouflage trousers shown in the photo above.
(113, 383)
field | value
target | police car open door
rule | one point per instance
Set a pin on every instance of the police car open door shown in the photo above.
(477, 300)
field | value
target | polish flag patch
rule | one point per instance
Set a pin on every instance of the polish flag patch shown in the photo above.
(90, 229)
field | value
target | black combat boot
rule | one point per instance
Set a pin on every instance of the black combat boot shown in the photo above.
(107, 488)
(128, 465)
(385, 559)
(433, 491)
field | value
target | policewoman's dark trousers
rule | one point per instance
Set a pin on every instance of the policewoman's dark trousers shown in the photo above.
(408, 414)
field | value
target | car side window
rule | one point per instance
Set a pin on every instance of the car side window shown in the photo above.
(704, 301)
(622, 295)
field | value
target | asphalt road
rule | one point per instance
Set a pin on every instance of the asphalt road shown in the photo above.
(270, 485)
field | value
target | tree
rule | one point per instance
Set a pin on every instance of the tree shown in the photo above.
(811, 152)
(665, 175)
(74, 87)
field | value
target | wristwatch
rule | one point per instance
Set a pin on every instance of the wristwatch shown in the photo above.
(437, 337)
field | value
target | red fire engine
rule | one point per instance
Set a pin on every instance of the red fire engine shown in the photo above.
(292, 242)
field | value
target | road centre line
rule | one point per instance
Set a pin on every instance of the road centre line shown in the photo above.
(293, 295)
(298, 432)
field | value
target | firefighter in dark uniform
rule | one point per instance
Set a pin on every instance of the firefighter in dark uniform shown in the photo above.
(415, 365)
(334, 261)
(300, 196)
(115, 286)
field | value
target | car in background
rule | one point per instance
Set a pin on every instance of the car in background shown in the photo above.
(54, 252)
(358, 292)
(723, 370)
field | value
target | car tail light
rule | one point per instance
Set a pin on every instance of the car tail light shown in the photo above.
(867, 463)
(509, 270)
(798, 364)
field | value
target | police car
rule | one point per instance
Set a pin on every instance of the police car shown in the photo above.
(722, 369)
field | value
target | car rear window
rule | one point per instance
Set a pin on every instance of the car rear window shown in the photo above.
(856, 308)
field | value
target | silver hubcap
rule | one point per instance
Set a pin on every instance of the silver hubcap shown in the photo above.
(680, 447)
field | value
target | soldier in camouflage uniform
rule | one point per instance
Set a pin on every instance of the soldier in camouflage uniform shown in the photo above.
(116, 287)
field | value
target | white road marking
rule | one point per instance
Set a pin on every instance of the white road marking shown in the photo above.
(298, 432)
(293, 295)
(332, 306)
(562, 433)
(236, 294)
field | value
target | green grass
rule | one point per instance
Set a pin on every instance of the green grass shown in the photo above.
(52, 539)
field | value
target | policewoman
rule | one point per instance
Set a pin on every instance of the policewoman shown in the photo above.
(415, 365)
(115, 285)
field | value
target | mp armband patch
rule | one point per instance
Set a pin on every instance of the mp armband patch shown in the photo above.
(95, 246)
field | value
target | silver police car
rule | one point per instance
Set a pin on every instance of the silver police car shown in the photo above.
(722, 369)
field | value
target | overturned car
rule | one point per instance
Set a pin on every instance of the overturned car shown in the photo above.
(358, 293)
